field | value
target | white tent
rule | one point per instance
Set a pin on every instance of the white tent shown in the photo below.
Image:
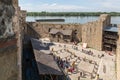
(45, 39)
(84, 45)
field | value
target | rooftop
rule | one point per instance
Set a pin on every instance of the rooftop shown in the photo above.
(64, 32)
(111, 29)
(39, 46)
(45, 63)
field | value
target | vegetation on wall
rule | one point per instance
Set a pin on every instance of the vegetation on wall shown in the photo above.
(71, 13)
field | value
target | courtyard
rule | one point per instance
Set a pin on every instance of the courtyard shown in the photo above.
(80, 63)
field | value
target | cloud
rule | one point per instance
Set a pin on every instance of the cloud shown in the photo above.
(52, 7)
(92, 5)
(110, 6)
(106, 5)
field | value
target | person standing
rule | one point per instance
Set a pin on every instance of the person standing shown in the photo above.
(78, 77)
(97, 77)
(104, 68)
(81, 74)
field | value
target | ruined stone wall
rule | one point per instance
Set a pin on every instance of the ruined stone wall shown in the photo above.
(43, 28)
(105, 19)
(118, 56)
(10, 57)
(19, 19)
(6, 13)
(8, 62)
(30, 32)
(92, 32)
(15, 3)
(19, 23)
(16, 20)
(23, 15)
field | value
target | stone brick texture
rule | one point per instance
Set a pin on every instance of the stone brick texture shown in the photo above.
(10, 48)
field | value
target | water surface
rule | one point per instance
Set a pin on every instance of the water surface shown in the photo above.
(74, 19)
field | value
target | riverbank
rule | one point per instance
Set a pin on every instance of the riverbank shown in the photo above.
(71, 13)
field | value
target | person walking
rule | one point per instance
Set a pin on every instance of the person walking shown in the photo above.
(97, 77)
(81, 74)
(78, 77)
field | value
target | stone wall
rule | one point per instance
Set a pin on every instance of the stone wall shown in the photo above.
(43, 28)
(118, 56)
(15, 3)
(23, 24)
(92, 32)
(29, 32)
(8, 62)
(10, 56)
(6, 13)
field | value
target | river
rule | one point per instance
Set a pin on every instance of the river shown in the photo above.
(74, 19)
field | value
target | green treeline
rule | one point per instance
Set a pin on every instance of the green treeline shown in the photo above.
(71, 13)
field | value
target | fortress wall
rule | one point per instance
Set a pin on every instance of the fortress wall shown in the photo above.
(43, 28)
(92, 32)
(10, 57)
(16, 19)
(8, 64)
(118, 56)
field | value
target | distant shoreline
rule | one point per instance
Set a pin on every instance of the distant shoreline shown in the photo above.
(71, 13)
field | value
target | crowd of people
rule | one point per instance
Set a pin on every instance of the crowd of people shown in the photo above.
(75, 55)
(68, 66)
(87, 52)
(64, 64)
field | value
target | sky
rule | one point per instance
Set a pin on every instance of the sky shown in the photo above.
(70, 5)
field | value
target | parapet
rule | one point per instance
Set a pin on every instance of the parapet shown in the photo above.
(104, 17)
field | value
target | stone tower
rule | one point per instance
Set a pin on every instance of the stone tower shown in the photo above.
(92, 32)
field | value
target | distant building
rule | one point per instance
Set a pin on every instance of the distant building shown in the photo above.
(110, 37)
